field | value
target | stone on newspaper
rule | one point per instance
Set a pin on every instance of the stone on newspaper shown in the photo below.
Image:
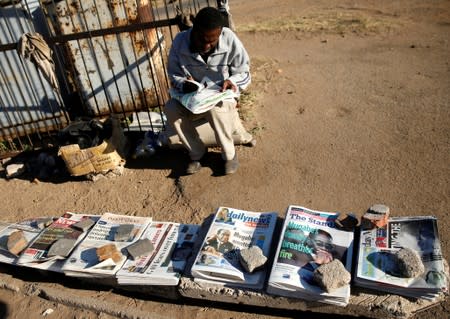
(376, 216)
(62, 247)
(140, 248)
(84, 224)
(16, 242)
(332, 275)
(409, 263)
(346, 222)
(252, 258)
(42, 223)
(108, 251)
(123, 232)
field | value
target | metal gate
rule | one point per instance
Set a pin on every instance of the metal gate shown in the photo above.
(109, 56)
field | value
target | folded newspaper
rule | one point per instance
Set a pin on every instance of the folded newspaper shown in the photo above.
(172, 245)
(102, 252)
(29, 231)
(40, 253)
(230, 231)
(207, 95)
(309, 238)
(376, 268)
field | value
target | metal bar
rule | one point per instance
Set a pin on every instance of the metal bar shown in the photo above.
(96, 33)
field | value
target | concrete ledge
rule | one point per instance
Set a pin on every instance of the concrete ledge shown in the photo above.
(362, 302)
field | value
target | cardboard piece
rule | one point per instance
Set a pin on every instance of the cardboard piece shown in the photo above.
(95, 159)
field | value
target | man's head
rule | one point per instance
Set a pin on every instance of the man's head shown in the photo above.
(206, 31)
(223, 235)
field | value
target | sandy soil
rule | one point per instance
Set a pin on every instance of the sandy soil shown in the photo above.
(350, 107)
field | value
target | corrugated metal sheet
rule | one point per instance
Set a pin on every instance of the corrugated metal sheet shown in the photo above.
(28, 103)
(116, 73)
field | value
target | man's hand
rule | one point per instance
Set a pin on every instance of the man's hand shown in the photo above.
(189, 87)
(228, 85)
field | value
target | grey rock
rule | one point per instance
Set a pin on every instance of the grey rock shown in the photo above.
(123, 232)
(140, 248)
(252, 258)
(346, 222)
(62, 247)
(376, 216)
(409, 263)
(14, 170)
(332, 275)
(84, 224)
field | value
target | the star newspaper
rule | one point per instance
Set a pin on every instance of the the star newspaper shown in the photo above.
(230, 231)
(36, 254)
(84, 260)
(173, 244)
(308, 239)
(376, 270)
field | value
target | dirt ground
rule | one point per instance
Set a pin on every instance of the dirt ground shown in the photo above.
(350, 107)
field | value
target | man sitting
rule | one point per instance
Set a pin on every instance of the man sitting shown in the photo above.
(212, 50)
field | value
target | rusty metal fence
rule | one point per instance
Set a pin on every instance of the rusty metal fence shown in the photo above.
(109, 57)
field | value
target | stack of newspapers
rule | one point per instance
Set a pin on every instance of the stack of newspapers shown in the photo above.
(376, 269)
(309, 238)
(218, 259)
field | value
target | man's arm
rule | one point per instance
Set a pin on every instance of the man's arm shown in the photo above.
(174, 70)
(239, 66)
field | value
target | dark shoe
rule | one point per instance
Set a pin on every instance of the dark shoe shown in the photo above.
(231, 166)
(252, 143)
(193, 167)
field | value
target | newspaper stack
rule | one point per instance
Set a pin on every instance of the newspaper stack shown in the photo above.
(172, 244)
(378, 270)
(309, 238)
(230, 231)
(102, 252)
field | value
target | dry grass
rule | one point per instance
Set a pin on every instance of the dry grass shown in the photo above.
(340, 22)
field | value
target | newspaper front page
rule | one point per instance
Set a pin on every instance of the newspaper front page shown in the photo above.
(376, 268)
(36, 254)
(84, 260)
(230, 231)
(309, 239)
(173, 243)
(30, 231)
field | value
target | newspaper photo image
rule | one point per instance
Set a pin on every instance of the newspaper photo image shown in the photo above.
(308, 240)
(230, 231)
(377, 268)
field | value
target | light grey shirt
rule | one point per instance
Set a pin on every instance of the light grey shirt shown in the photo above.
(229, 61)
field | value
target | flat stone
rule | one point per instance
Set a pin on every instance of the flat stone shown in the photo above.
(123, 232)
(16, 242)
(84, 224)
(332, 275)
(62, 247)
(108, 251)
(42, 223)
(376, 216)
(252, 258)
(409, 263)
(140, 248)
(346, 222)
